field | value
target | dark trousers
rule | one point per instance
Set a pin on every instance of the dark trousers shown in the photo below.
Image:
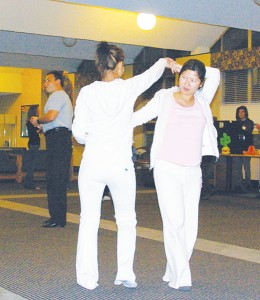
(207, 168)
(59, 150)
(106, 192)
(33, 151)
(239, 163)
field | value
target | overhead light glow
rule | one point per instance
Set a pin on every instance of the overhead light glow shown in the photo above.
(69, 42)
(146, 21)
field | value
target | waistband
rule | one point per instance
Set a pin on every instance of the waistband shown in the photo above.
(173, 165)
(56, 129)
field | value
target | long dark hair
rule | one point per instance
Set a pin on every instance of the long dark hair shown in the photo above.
(32, 111)
(107, 57)
(244, 109)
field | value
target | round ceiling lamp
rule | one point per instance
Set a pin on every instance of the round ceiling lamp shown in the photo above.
(69, 42)
(146, 21)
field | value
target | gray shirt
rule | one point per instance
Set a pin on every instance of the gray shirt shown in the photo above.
(59, 101)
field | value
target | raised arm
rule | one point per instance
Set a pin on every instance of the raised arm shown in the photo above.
(148, 112)
(211, 83)
(140, 83)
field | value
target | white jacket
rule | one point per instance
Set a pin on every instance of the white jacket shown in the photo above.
(104, 114)
(159, 107)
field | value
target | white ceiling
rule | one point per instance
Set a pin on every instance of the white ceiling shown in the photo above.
(31, 30)
(243, 14)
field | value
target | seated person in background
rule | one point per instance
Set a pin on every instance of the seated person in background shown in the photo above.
(244, 139)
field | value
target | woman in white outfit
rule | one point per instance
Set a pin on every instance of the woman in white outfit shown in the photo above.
(104, 123)
(184, 132)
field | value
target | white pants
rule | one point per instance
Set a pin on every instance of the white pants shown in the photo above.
(178, 189)
(93, 177)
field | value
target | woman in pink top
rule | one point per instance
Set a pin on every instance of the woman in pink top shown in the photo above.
(184, 132)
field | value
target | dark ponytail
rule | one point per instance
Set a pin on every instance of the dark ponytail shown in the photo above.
(107, 57)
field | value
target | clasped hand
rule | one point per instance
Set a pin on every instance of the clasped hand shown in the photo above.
(173, 65)
(33, 120)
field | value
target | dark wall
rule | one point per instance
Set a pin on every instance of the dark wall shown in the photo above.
(234, 39)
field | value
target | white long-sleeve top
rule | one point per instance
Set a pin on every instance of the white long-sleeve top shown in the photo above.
(159, 107)
(104, 114)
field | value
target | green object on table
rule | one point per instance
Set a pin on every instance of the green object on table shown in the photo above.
(225, 140)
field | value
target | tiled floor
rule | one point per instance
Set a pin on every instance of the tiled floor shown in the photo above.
(38, 263)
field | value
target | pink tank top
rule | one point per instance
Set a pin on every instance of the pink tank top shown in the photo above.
(182, 143)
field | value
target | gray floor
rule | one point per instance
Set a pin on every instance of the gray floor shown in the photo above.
(38, 263)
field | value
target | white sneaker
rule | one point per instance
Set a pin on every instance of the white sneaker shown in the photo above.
(126, 283)
(89, 285)
(105, 198)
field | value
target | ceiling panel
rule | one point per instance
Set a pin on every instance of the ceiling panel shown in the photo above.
(31, 31)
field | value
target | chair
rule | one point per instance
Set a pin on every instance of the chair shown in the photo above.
(142, 165)
(10, 166)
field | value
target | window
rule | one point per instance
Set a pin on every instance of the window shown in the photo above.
(241, 86)
(255, 78)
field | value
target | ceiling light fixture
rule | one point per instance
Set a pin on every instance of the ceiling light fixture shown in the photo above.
(69, 42)
(146, 21)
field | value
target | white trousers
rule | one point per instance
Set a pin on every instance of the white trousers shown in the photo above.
(178, 189)
(93, 177)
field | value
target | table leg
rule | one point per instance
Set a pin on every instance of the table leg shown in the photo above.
(19, 176)
(229, 174)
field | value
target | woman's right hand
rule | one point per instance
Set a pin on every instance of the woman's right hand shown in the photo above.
(175, 67)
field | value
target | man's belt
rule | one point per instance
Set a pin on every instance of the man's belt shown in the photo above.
(56, 129)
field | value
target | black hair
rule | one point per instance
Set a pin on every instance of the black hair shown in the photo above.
(32, 111)
(57, 75)
(107, 57)
(244, 109)
(195, 65)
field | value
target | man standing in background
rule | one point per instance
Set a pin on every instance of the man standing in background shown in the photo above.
(56, 123)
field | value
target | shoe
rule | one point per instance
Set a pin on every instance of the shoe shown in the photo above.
(105, 198)
(31, 187)
(184, 288)
(166, 278)
(89, 285)
(47, 221)
(126, 283)
(52, 225)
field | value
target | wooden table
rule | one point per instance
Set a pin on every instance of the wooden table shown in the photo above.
(229, 158)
